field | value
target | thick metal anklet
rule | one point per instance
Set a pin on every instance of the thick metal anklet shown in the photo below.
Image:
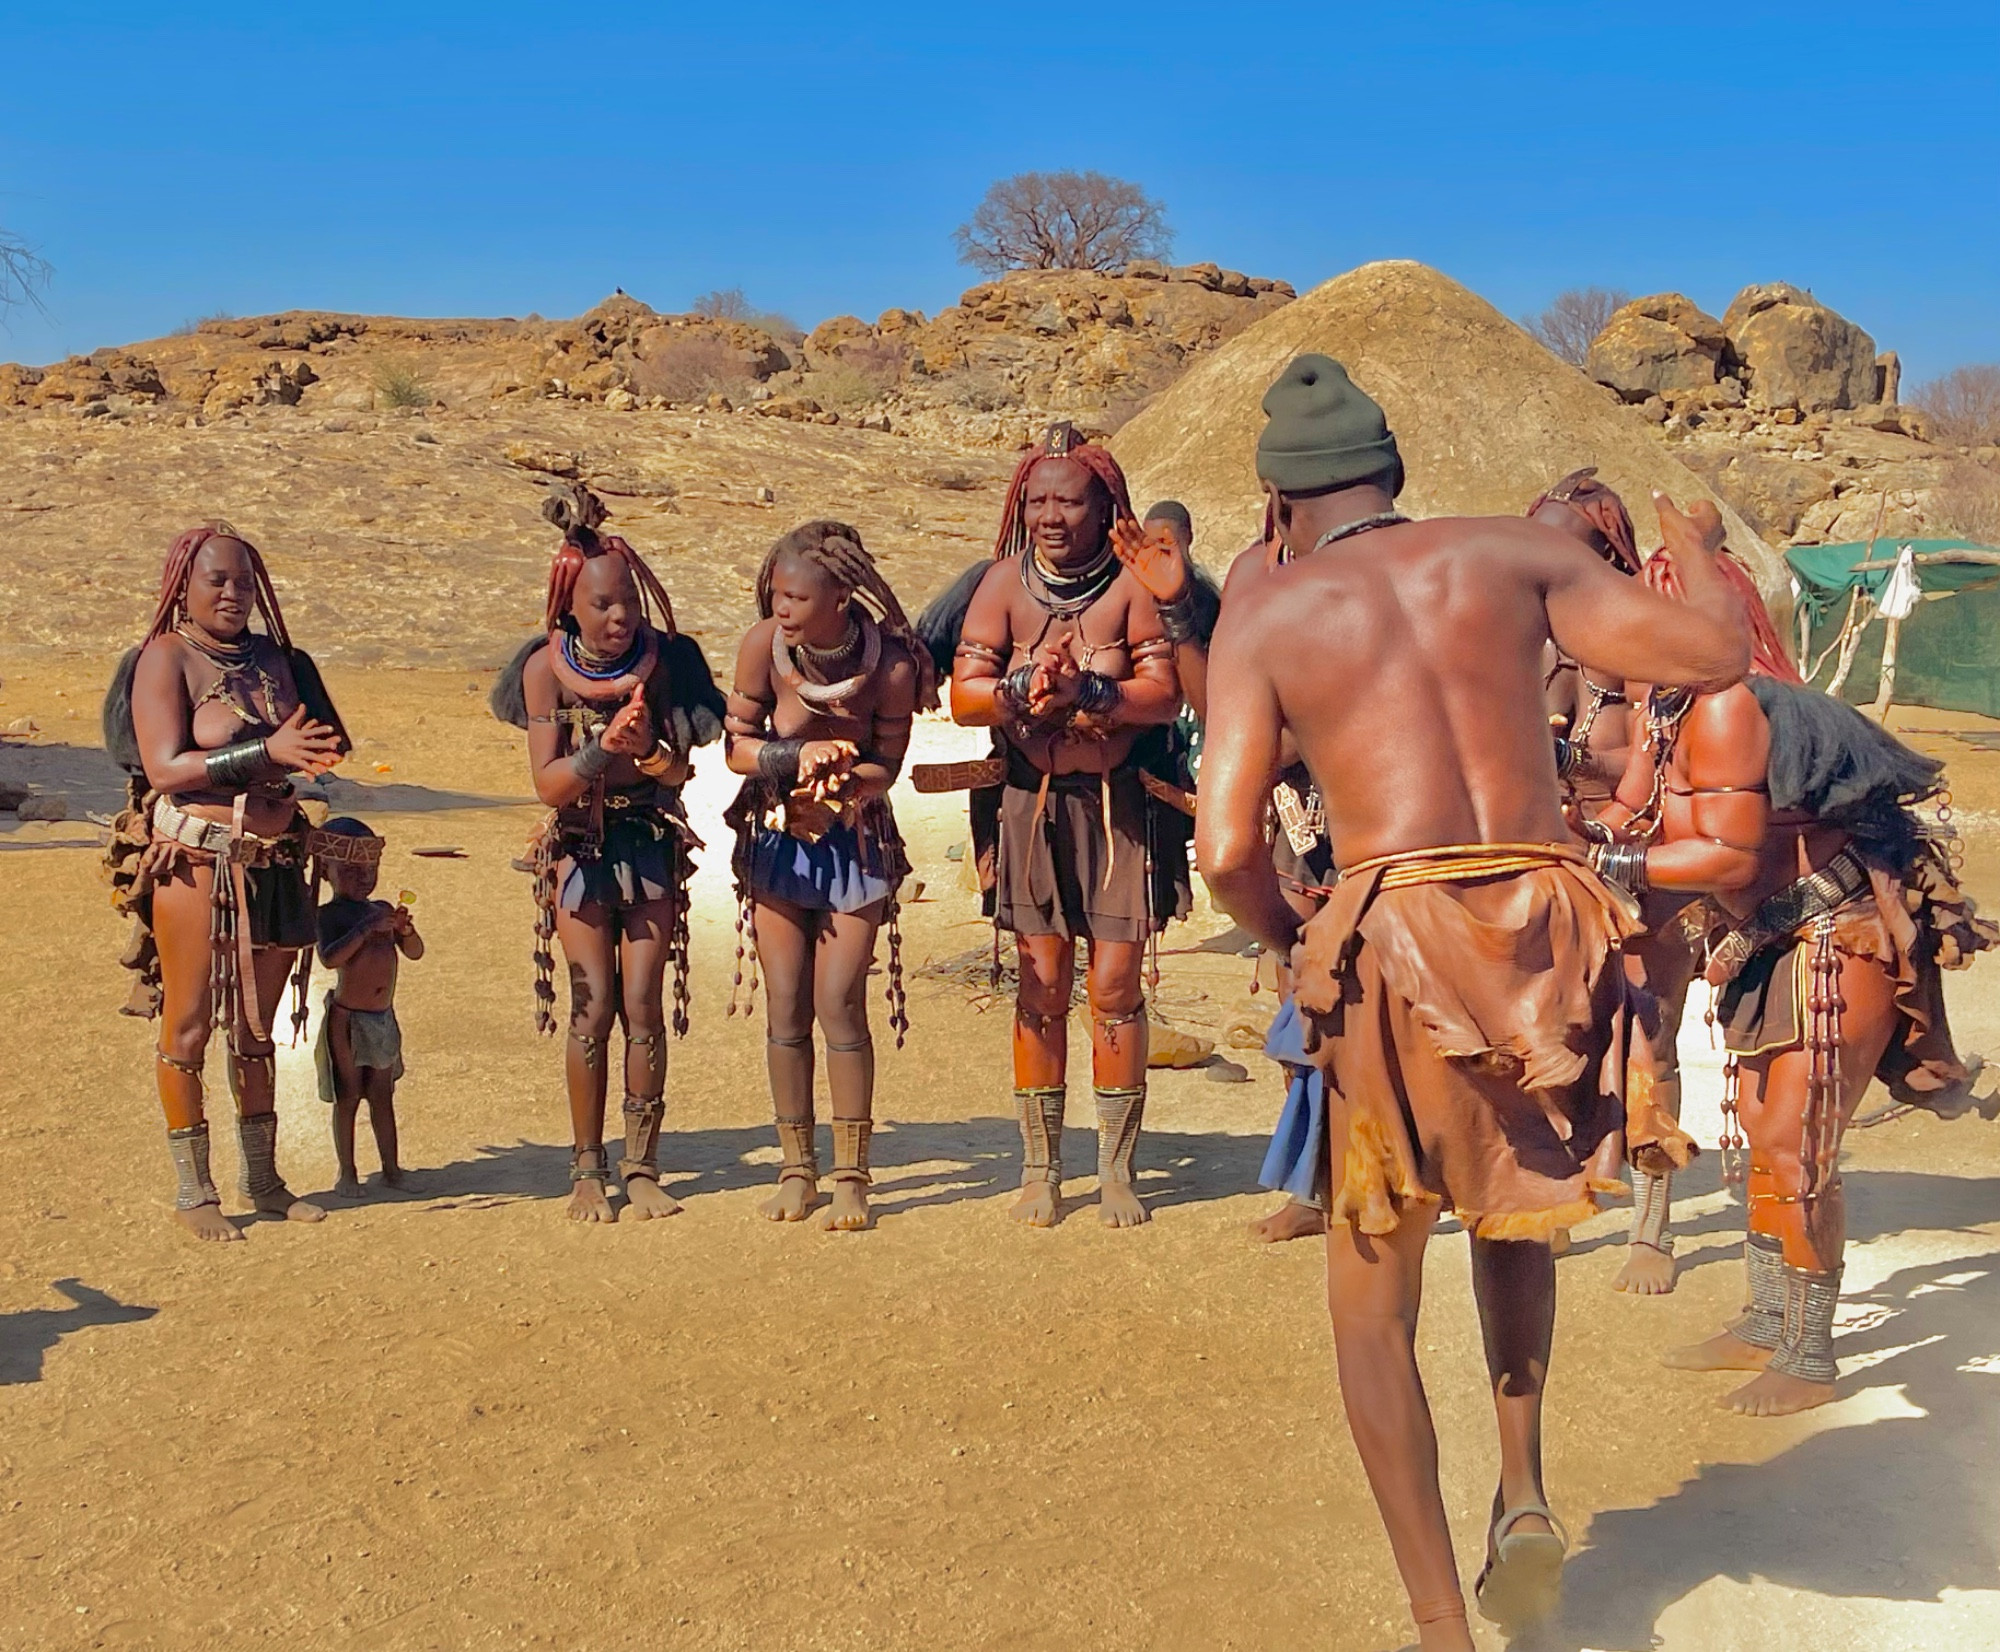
(1652, 1202)
(188, 1148)
(1119, 1116)
(1040, 1114)
(1805, 1345)
(1763, 1323)
(644, 1117)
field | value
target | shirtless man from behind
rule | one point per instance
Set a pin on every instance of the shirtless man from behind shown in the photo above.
(1463, 981)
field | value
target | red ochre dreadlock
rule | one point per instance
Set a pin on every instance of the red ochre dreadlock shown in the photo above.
(836, 550)
(1059, 441)
(172, 606)
(1767, 653)
(1600, 507)
(580, 548)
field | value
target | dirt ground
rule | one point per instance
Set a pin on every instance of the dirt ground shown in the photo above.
(453, 1419)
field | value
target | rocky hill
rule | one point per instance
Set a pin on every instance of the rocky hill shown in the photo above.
(1789, 410)
(393, 468)
(1485, 416)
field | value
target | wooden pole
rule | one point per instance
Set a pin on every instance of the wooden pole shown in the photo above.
(1887, 691)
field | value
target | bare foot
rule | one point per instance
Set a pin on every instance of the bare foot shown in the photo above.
(1292, 1221)
(1118, 1206)
(794, 1201)
(1038, 1204)
(393, 1175)
(587, 1203)
(849, 1212)
(282, 1201)
(348, 1186)
(1647, 1272)
(646, 1200)
(1722, 1352)
(1777, 1394)
(208, 1222)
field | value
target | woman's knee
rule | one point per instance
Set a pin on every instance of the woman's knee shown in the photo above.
(184, 1034)
(1113, 987)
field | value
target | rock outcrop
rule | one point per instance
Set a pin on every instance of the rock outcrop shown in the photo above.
(1485, 417)
(1798, 353)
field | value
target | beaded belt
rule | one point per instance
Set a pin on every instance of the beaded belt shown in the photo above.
(1816, 895)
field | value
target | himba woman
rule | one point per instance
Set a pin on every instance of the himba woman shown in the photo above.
(1591, 714)
(1062, 652)
(213, 719)
(614, 700)
(828, 682)
(1792, 812)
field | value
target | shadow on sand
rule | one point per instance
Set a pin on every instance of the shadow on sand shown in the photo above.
(1902, 1507)
(26, 1336)
(915, 1165)
(94, 785)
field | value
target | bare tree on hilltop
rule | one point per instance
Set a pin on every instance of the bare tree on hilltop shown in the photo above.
(731, 304)
(1573, 319)
(22, 273)
(1063, 221)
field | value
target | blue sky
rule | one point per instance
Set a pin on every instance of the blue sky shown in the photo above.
(174, 160)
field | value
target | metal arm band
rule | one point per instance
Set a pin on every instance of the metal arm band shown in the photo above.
(1621, 863)
(778, 762)
(1177, 617)
(658, 762)
(591, 760)
(244, 764)
(1569, 757)
(1014, 687)
(1097, 695)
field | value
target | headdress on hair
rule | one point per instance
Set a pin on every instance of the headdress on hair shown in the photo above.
(577, 511)
(345, 839)
(1059, 441)
(1602, 511)
(1767, 653)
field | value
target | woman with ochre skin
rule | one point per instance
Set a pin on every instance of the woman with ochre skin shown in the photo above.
(609, 738)
(828, 682)
(221, 725)
(1062, 652)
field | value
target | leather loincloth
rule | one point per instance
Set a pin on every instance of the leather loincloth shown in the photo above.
(1468, 1008)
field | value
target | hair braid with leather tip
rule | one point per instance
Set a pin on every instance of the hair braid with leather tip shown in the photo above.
(1059, 441)
(172, 606)
(837, 551)
(1767, 651)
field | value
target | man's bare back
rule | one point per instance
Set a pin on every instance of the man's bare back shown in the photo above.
(1404, 661)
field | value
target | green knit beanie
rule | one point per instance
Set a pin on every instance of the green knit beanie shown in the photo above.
(1324, 433)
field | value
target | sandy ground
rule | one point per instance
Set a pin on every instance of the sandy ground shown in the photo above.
(453, 1419)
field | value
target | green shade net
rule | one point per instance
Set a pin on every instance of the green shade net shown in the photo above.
(1948, 654)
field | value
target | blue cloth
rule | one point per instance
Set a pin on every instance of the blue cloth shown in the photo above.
(832, 875)
(1297, 1161)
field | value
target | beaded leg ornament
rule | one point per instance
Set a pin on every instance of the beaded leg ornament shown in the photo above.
(542, 868)
(1119, 1115)
(850, 1150)
(1652, 1200)
(743, 983)
(899, 1003)
(1819, 1146)
(1764, 1268)
(643, 1117)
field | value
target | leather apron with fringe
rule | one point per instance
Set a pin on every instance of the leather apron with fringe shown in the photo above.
(1467, 1005)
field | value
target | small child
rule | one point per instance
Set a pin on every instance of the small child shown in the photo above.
(360, 1048)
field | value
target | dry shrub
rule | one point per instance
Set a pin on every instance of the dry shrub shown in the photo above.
(864, 372)
(690, 370)
(1063, 221)
(981, 392)
(1967, 504)
(1964, 404)
(730, 304)
(195, 323)
(397, 384)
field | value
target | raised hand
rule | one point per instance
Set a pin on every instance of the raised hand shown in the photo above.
(630, 731)
(303, 745)
(1053, 687)
(1154, 559)
(826, 766)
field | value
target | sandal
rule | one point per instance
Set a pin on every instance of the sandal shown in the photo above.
(1521, 1583)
